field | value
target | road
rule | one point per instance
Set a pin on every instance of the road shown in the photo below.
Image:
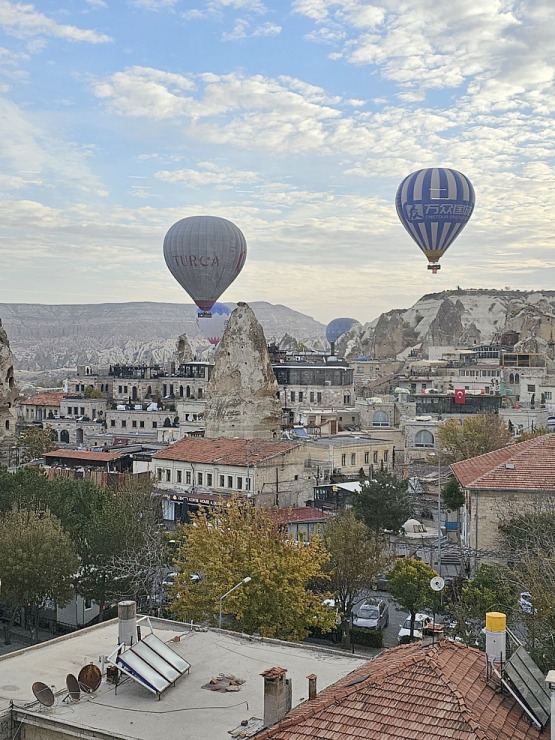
(396, 616)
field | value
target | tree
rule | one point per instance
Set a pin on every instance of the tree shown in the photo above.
(245, 541)
(452, 495)
(92, 392)
(475, 435)
(409, 584)
(355, 560)
(383, 503)
(34, 442)
(38, 561)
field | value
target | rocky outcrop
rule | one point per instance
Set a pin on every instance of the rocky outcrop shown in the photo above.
(183, 350)
(8, 395)
(242, 393)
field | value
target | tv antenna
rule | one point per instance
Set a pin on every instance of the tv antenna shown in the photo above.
(43, 694)
(89, 678)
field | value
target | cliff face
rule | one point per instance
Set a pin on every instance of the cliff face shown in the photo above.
(8, 394)
(242, 393)
(459, 317)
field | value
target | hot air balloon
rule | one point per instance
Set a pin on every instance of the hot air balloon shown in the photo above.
(212, 327)
(205, 254)
(336, 328)
(434, 206)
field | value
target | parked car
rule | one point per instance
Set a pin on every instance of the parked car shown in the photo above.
(422, 623)
(525, 603)
(380, 583)
(372, 615)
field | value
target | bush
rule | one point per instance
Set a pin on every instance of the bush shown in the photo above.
(405, 639)
(369, 638)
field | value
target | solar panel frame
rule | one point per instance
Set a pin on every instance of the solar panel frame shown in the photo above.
(524, 676)
(167, 653)
(158, 663)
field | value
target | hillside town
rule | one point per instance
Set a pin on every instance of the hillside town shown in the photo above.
(300, 438)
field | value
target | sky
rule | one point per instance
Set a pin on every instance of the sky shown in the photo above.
(296, 120)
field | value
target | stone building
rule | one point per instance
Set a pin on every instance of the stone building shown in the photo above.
(242, 393)
(8, 395)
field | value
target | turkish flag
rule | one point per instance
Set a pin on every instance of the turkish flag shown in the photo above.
(460, 396)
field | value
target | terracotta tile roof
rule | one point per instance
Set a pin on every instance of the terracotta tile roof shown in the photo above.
(224, 450)
(411, 692)
(299, 514)
(528, 466)
(85, 455)
(48, 398)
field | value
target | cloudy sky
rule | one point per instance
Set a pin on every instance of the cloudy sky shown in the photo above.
(296, 119)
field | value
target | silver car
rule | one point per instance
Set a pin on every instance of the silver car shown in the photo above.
(372, 615)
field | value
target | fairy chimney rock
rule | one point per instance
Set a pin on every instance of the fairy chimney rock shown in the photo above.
(242, 396)
(183, 349)
(8, 395)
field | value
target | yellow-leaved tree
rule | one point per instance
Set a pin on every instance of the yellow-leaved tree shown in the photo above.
(242, 541)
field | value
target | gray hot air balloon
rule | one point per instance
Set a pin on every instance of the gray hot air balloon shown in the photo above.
(205, 254)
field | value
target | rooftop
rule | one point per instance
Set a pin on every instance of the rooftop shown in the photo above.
(525, 466)
(185, 709)
(412, 692)
(298, 514)
(341, 441)
(47, 398)
(224, 450)
(85, 455)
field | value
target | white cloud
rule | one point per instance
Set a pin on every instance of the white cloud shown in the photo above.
(209, 174)
(23, 20)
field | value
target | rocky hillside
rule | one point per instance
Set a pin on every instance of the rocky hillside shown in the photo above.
(49, 337)
(459, 317)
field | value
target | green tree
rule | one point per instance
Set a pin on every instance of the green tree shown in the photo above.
(92, 392)
(452, 495)
(475, 435)
(34, 442)
(383, 503)
(246, 541)
(37, 561)
(355, 560)
(409, 584)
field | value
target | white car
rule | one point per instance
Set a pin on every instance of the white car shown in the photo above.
(525, 603)
(421, 623)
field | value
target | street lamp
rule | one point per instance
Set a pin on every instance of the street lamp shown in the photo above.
(245, 580)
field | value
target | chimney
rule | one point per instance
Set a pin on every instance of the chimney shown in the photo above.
(496, 638)
(277, 695)
(312, 678)
(127, 623)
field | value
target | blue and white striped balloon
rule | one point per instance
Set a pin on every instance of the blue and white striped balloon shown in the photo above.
(434, 206)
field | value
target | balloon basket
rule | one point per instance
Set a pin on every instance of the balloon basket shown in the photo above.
(204, 315)
(434, 268)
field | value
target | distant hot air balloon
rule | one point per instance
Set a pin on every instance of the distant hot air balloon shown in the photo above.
(336, 328)
(434, 206)
(212, 327)
(205, 254)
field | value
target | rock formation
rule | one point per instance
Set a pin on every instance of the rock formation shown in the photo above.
(183, 349)
(242, 393)
(8, 395)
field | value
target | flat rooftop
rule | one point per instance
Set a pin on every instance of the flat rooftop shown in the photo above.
(185, 709)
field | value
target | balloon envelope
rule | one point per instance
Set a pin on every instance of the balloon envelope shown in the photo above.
(338, 327)
(212, 327)
(205, 254)
(434, 206)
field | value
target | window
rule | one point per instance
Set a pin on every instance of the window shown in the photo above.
(230, 481)
(199, 479)
(179, 476)
(159, 473)
(547, 395)
(239, 482)
(531, 388)
(292, 396)
(380, 419)
(366, 457)
(134, 424)
(375, 457)
(346, 399)
(168, 475)
(311, 396)
(123, 423)
(424, 438)
(141, 424)
(301, 396)
(120, 389)
(87, 604)
(155, 425)
(343, 460)
(353, 458)
(188, 477)
(208, 479)
(112, 422)
(247, 484)
(319, 397)
(125, 389)
(222, 481)
(385, 455)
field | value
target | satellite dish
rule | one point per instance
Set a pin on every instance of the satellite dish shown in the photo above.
(73, 687)
(437, 583)
(89, 678)
(43, 693)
